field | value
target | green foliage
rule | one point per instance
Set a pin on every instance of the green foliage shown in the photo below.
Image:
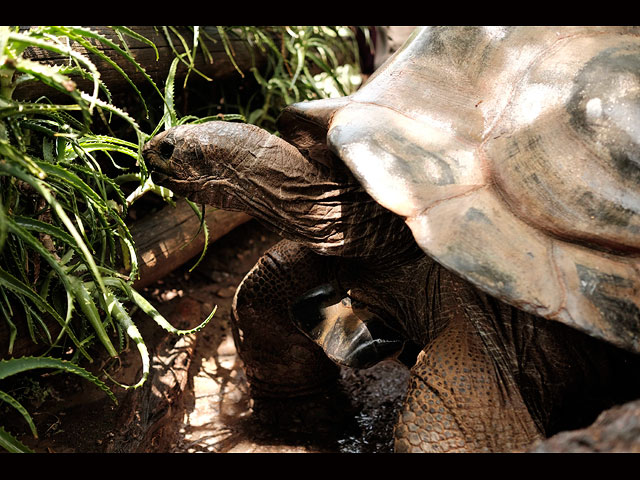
(303, 63)
(64, 243)
(63, 237)
(17, 365)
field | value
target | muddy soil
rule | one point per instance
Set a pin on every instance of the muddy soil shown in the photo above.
(196, 399)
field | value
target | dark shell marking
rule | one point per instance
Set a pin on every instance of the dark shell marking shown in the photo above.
(513, 154)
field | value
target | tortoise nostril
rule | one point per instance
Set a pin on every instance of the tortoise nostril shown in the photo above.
(166, 149)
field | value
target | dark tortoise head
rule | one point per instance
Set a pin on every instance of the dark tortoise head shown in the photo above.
(347, 330)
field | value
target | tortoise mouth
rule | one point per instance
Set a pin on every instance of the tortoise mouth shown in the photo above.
(158, 166)
(163, 179)
(164, 170)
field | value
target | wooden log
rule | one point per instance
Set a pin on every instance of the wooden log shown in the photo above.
(157, 68)
(167, 239)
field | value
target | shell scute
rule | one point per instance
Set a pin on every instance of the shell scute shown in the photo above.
(602, 294)
(566, 171)
(514, 156)
(405, 165)
(474, 236)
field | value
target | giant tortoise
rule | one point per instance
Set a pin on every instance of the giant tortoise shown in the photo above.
(472, 212)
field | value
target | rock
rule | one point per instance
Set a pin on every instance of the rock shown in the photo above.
(616, 430)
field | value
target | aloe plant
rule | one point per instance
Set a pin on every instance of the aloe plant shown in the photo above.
(17, 365)
(303, 63)
(63, 239)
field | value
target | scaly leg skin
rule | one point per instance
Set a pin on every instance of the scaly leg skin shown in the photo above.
(459, 401)
(287, 372)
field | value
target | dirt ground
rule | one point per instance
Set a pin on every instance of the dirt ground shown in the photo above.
(196, 399)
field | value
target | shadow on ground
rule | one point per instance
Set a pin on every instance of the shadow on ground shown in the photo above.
(217, 410)
(196, 399)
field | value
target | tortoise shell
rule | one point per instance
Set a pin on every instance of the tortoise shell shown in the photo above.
(513, 154)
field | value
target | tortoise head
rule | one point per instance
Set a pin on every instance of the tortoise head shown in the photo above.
(244, 168)
(213, 163)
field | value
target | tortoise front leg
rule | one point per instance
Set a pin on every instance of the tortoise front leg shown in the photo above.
(279, 360)
(461, 400)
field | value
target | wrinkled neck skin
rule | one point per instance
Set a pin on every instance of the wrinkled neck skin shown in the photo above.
(244, 168)
(241, 167)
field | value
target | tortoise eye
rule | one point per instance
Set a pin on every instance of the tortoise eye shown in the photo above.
(166, 149)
